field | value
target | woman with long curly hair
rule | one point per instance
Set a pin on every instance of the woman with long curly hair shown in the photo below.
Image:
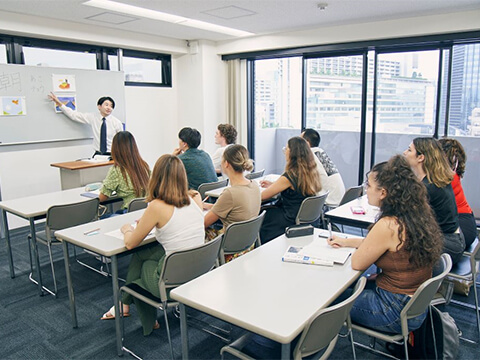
(457, 158)
(405, 242)
(299, 181)
(128, 177)
(428, 162)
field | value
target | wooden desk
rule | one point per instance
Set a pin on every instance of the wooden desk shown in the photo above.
(289, 293)
(74, 174)
(343, 214)
(34, 208)
(104, 245)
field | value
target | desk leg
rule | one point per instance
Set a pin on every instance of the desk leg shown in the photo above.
(116, 302)
(184, 331)
(35, 255)
(9, 246)
(71, 295)
(286, 351)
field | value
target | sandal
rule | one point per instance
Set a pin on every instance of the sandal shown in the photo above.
(110, 314)
(156, 326)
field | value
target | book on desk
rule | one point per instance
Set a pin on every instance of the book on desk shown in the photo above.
(317, 253)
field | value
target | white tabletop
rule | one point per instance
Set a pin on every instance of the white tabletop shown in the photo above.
(101, 243)
(260, 293)
(344, 212)
(37, 205)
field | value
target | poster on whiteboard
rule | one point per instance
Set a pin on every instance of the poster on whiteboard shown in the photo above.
(13, 105)
(63, 83)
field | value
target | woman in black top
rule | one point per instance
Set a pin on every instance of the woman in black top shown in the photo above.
(300, 180)
(429, 163)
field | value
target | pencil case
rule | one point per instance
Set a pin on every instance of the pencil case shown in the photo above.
(298, 230)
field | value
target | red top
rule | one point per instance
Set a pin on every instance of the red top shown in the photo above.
(462, 204)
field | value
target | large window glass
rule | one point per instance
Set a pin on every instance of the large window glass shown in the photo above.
(406, 92)
(278, 109)
(59, 58)
(138, 69)
(464, 114)
(3, 54)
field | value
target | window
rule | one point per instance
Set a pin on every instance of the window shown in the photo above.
(59, 58)
(278, 109)
(3, 54)
(143, 68)
(406, 92)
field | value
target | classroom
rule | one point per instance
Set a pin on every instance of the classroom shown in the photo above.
(369, 76)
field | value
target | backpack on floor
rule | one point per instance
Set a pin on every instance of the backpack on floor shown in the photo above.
(421, 344)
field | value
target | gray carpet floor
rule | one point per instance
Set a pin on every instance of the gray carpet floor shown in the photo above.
(34, 327)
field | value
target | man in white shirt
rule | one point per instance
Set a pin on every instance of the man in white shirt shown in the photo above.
(330, 178)
(225, 136)
(104, 125)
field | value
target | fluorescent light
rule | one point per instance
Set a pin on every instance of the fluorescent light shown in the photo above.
(158, 15)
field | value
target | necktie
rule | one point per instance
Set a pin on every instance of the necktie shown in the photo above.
(103, 137)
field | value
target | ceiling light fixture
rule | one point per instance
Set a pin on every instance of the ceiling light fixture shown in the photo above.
(322, 6)
(161, 16)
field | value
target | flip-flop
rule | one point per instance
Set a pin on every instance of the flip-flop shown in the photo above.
(110, 314)
(156, 326)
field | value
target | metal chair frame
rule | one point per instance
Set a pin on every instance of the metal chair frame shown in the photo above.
(418, 303)
(320, 332)
(61, 217)
(178, 268)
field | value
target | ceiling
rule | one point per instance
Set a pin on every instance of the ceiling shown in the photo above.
(256, 16)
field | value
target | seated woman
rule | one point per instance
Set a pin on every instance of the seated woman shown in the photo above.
(225, 136)
(178, 223)
(129, 175)
(240, 201)
(405, 243)
(457, 158)
(429, 163)
(299, 181)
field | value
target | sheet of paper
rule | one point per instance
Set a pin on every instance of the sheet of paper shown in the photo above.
(118, 234)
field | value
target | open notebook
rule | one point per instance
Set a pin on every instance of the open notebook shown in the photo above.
(317, 253)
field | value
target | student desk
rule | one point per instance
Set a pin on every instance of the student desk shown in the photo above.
(34, 208)
(262, 294)
(103, 245)
(343, 214)
(82, 172)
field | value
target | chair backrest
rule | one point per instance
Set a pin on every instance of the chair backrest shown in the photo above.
(311, 209)
(255, 175)
(423, 296)
(351, 194)
(64, 216)
(203, 188)
(182, 266)
(324, 326)
(137, 204)
(240, 236)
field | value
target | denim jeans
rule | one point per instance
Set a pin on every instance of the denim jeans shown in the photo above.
(380, 310)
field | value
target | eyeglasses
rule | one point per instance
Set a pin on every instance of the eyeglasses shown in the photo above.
(284, 149)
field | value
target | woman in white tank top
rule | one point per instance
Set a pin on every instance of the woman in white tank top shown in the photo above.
(176, 215)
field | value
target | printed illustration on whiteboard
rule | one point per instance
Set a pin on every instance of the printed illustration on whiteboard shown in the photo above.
(63, 83)
(13, 105)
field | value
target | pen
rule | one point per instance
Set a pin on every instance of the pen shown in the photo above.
(330, 230)
(90, 231)
(206, 198)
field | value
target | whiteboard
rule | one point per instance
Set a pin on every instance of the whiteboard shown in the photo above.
(41, 123)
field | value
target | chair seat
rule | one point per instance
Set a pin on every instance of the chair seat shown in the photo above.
(461, 269)
(146, 296)
(471, 247)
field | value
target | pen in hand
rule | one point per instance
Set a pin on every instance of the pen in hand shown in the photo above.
(206, 198)
(330, 230)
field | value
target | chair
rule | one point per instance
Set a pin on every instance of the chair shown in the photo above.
(240, 236)
(418, 303)
(61, 217)
(255, 175)
(311, 209)
(203, 188)
(466, 269)
(320, 332)
(351, 194)
(137, 204)
(178, 268)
